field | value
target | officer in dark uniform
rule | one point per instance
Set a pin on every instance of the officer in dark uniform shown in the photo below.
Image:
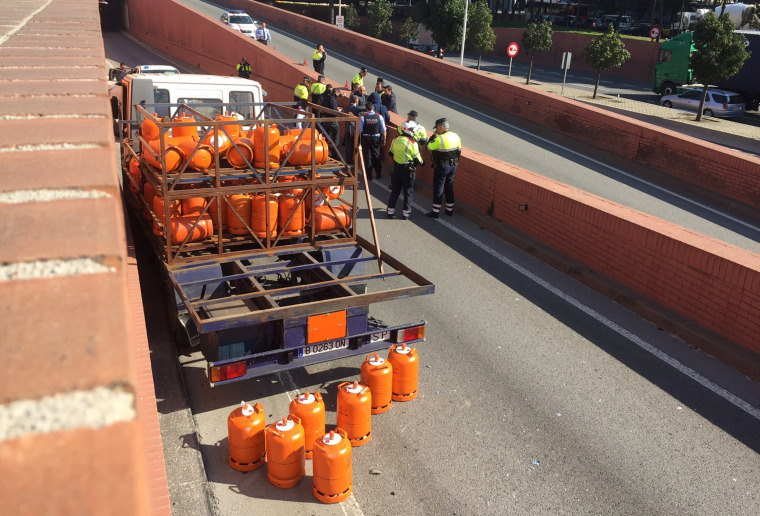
(446, 147)
(372, 131)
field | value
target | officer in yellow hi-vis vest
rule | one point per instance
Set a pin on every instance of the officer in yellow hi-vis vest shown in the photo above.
(358, 78)
(317, 89)
(319, 59)
(302, 91)
(406, 156)
(446, 147)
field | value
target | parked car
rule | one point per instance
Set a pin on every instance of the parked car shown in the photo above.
(718, 103)
(592, 24)
(156, 69)
(432, 50)
(641, 29)
(239, 20)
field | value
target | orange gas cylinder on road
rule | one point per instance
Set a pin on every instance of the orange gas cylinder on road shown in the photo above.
(332, 467)
(406, 370)
(246, 428)
(377, 374)
(286, 459)
(311, 410)
(355, 412)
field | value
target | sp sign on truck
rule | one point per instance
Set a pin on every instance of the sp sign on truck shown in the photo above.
(512, 49)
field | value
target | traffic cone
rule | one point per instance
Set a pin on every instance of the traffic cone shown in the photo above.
(274, 47)
(304, 62)
(347, 86)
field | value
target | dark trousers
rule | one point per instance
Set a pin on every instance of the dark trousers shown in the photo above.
(443, 182)
(348, 140)
(333, 131)
(402, 179)
(319, 67)
(372, 161)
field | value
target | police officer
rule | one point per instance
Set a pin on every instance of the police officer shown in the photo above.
(420, 134)
(244, 69)
(446, 147)
(406, 156)
(302, 91)
(358, 78)
(318, 89)
(372, 131)
(319, 59)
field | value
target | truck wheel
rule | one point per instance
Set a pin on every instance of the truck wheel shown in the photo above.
(668, 88)
(708, 112)
(667, 104)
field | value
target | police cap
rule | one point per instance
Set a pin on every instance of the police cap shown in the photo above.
(441, 121)
(306, 78)
(412, 113)
(364, 69)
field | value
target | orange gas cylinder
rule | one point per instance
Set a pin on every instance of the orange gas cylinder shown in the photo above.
(259, 215)
(332, 467)
(181, 226)
(222, 224)
(193, 205)
(202, 157)
(311, 410)
(150, 130)
(232, 129)
(326, 220)
(332, 192)
(242, 151)
(289, 204)
(222, 140)
(136, 174)
(150, 192)
(406, 370)
(263, 154)
(302, 154)
(355, 412)
(240, 204)
(246, 428)
(187, 130)
(286, 460)
(173, 155)
(175, 210)
(319, 200)
(377, 374)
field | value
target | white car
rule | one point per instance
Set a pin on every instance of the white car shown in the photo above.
(239, 20)
(157, 69)
(718, 103)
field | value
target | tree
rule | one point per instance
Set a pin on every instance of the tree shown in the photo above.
(605, 53)
(351, 17)
(536, 38)
(408, 31)
(380, 18)
(444, 19)
(718, 52)
(480, 35)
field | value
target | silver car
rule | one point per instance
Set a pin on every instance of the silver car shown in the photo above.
(718, 103)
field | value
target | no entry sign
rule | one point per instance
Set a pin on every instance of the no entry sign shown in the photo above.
(512, 49)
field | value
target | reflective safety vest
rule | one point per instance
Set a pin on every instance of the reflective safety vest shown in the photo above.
(317, 55)
(420, 134)
(318, 88)
(445, 146)
(301, 92)
(405, 151)
(358, 79)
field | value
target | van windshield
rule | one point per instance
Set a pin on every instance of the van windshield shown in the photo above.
(207, 107)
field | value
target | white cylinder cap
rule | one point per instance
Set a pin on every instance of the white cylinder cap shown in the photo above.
(332, 438)
(284, 426)
(355, 388)
(306, 398)
(404, 350)
(376, 360)
(247, 408)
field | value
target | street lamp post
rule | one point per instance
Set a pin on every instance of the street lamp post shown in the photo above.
(464, 32)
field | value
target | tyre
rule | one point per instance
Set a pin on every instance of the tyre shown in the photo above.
(708, 112)
(668, 88)
(667, 104)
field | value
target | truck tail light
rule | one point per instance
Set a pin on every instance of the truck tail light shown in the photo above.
(228, 372)
(414, 333)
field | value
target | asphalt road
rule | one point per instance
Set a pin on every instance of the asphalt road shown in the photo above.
(537, 396)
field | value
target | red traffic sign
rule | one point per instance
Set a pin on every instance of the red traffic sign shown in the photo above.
(654, 32)
(512, 49)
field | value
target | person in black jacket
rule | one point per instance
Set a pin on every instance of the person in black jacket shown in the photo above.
(332, 129)
(389, 99)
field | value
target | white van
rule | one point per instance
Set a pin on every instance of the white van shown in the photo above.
(622, 22)
(210, 95)
(157, 69)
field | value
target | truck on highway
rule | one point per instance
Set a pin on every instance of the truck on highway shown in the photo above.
(673, 68)
(252, 212)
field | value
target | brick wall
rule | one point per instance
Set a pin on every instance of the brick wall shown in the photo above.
(707, 281)
(70, 435)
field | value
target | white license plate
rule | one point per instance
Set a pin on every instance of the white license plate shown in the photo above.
(324, 347)
(381, 335)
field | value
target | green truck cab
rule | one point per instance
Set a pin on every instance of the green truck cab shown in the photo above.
(672, 69)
